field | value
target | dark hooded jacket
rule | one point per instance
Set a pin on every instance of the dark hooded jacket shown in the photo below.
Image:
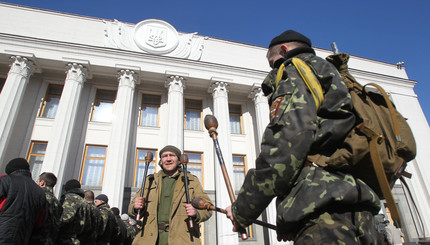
(22, 204)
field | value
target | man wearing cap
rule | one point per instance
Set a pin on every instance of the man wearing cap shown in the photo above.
(22, 203)
(164, 207)
(314, 206)
(76, 227)
(111, 230)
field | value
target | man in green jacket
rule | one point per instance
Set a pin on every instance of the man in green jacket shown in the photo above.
(165, 213)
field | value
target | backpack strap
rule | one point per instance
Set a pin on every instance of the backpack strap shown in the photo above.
(308, 77)
(375, 139)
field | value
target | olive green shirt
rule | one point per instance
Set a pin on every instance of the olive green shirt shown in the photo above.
(164, 206)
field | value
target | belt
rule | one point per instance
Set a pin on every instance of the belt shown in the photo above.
(163, 227)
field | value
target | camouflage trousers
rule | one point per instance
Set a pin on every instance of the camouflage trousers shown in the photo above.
(338, 228)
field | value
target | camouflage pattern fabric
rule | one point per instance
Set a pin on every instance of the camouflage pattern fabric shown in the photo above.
(111, 230)
(75, 218)
(296, 130)
(131, 232)
(348, 228)
(48, 233)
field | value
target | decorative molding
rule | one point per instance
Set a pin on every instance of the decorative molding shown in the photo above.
(76, 72)
(127, 78)
(21, 65)
(218, 88)
(175, 83)
(257, 95)
(154, 37)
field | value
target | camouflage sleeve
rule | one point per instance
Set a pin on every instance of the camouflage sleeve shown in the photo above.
(69, 212)
(287, 140)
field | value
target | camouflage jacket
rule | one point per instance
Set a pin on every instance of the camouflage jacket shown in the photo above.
(76, 217)
(48, 233)
(111, 229)
(296, 130)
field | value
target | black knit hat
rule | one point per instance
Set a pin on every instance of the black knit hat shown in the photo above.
(72, 184)
(290, 36)
(17, 164)
(171, 148)
(102, 197)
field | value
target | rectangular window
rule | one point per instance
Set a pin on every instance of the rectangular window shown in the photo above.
(195, 164)
(139, 168)
(93, 165)
(239, 171)
(150, 109)
(51, 101)
(36, 154)
(235, 119)
(193, 114)
(103, 106)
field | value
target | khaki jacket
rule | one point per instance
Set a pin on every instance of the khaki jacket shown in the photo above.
(178, 230)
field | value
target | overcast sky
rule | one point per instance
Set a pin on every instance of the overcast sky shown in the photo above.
(388, 31)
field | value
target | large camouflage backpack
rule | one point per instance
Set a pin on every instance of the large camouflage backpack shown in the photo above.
(377, 149)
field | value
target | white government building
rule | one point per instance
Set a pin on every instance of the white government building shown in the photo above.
(86, 98)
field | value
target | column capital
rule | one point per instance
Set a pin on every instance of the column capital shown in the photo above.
(76, 72)
(21, 65)
(257, 95)
(175, 83)
(218, 88)
(127, 78)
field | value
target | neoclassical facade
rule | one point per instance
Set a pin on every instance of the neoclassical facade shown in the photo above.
(86, 98)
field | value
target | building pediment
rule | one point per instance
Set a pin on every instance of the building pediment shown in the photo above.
(153, 36)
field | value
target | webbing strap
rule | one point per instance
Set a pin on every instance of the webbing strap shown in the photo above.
(308, 77)
(380, 174)
(311, 81)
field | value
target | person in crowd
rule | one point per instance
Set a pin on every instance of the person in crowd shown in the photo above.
(314, 204)
(111, 229)
(76, 217)
(22, 203)
(123, 229)
(132, 230)
(164, 214)
(48, 233)
(96, 217)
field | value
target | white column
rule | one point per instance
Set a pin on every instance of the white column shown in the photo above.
(220, 99)
(262, 112)
(11, 98)
(62, 129)
(175, 101)
(116, 159)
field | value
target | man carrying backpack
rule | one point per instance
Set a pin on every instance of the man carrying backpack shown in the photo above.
(315, 205)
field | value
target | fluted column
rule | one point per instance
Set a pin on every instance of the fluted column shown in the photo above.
(118, 148)
(11, 98)
(175, 101)
(58, 146)
(219, 92)
(262, 112)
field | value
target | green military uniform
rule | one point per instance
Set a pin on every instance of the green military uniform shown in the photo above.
(48, 233)
(309, 199)
(165, 217)
(75, 219)
(111, 230)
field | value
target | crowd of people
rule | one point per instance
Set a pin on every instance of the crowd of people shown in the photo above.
(31, 214)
